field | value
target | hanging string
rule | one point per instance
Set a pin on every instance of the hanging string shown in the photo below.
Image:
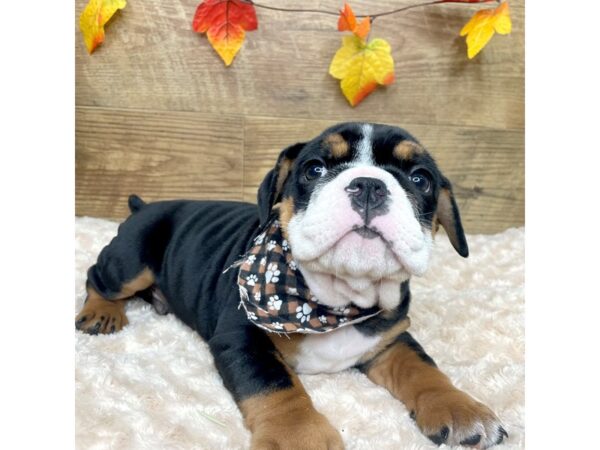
(372, 16)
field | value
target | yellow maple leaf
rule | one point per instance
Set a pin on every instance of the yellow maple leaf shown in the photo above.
(482, 26)
(94, 17)
(361, 66)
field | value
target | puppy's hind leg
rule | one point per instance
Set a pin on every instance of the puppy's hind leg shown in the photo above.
(103, 311)
(122, 270)
(101, 316)
(128, 265)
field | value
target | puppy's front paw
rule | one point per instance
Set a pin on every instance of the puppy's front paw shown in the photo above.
(308, 430)
(454, 418)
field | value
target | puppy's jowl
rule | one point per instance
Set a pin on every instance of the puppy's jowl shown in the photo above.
(314, 279)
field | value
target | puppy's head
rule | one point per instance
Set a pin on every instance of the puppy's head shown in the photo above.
(359, 205)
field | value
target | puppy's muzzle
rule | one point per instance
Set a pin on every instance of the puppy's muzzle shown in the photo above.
(368, 197)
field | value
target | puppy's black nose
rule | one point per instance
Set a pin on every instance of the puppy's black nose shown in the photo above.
(368, 196)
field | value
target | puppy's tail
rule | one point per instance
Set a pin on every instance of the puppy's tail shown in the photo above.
(135, 203)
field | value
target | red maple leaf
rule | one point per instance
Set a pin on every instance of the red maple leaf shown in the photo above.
(225, 23)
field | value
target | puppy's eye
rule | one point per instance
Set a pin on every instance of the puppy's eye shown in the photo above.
(315, 170)
(421, 181)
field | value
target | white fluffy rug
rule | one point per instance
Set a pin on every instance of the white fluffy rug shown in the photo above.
(154, 386)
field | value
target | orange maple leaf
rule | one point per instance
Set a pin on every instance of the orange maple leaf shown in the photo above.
(347, 22)
(482, 26)
(225, 23)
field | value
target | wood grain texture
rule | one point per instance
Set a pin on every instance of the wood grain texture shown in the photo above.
(159, 114)
(485, 165)
(152, 59)
(157, 155)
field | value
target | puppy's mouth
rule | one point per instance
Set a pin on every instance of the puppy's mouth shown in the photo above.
(369, 235)
(367, 232)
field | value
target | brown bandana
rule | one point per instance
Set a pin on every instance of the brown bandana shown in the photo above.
(275, 295)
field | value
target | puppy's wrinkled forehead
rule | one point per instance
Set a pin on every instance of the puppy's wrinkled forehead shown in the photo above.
(368, 144)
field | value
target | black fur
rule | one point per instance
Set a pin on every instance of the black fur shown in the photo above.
(268, 194)
(383, 322)
(188, 245)
(407, 339)
(135, 203)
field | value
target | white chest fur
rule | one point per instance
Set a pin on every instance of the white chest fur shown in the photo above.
(333, 351)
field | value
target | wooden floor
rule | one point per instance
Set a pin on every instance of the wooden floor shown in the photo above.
(158, 114)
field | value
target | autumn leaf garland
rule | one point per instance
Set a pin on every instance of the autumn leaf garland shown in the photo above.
(360, 64)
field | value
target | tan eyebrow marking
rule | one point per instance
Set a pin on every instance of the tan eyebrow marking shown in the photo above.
(407, 149)
(337, 144)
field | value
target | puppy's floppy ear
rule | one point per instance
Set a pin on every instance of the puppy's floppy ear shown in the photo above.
(271, 187)
(449, 217)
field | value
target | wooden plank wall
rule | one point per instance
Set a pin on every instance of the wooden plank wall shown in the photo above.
(158, 114)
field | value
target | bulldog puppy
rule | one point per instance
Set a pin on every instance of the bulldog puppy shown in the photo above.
(313, 279)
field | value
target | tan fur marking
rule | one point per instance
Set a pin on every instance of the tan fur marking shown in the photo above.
(444, 204)
(445, 215)
(386, 339)
(407, 149)
(287, 345)
(287, 419)
(337, 144)
(403, 373)
(444, 211)
(101, 315)
(286, 211)
(144, 280)
(427, 392)
(284, 170)
(435, 225)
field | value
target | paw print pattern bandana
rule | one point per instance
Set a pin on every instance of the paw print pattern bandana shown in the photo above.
(275, 295)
